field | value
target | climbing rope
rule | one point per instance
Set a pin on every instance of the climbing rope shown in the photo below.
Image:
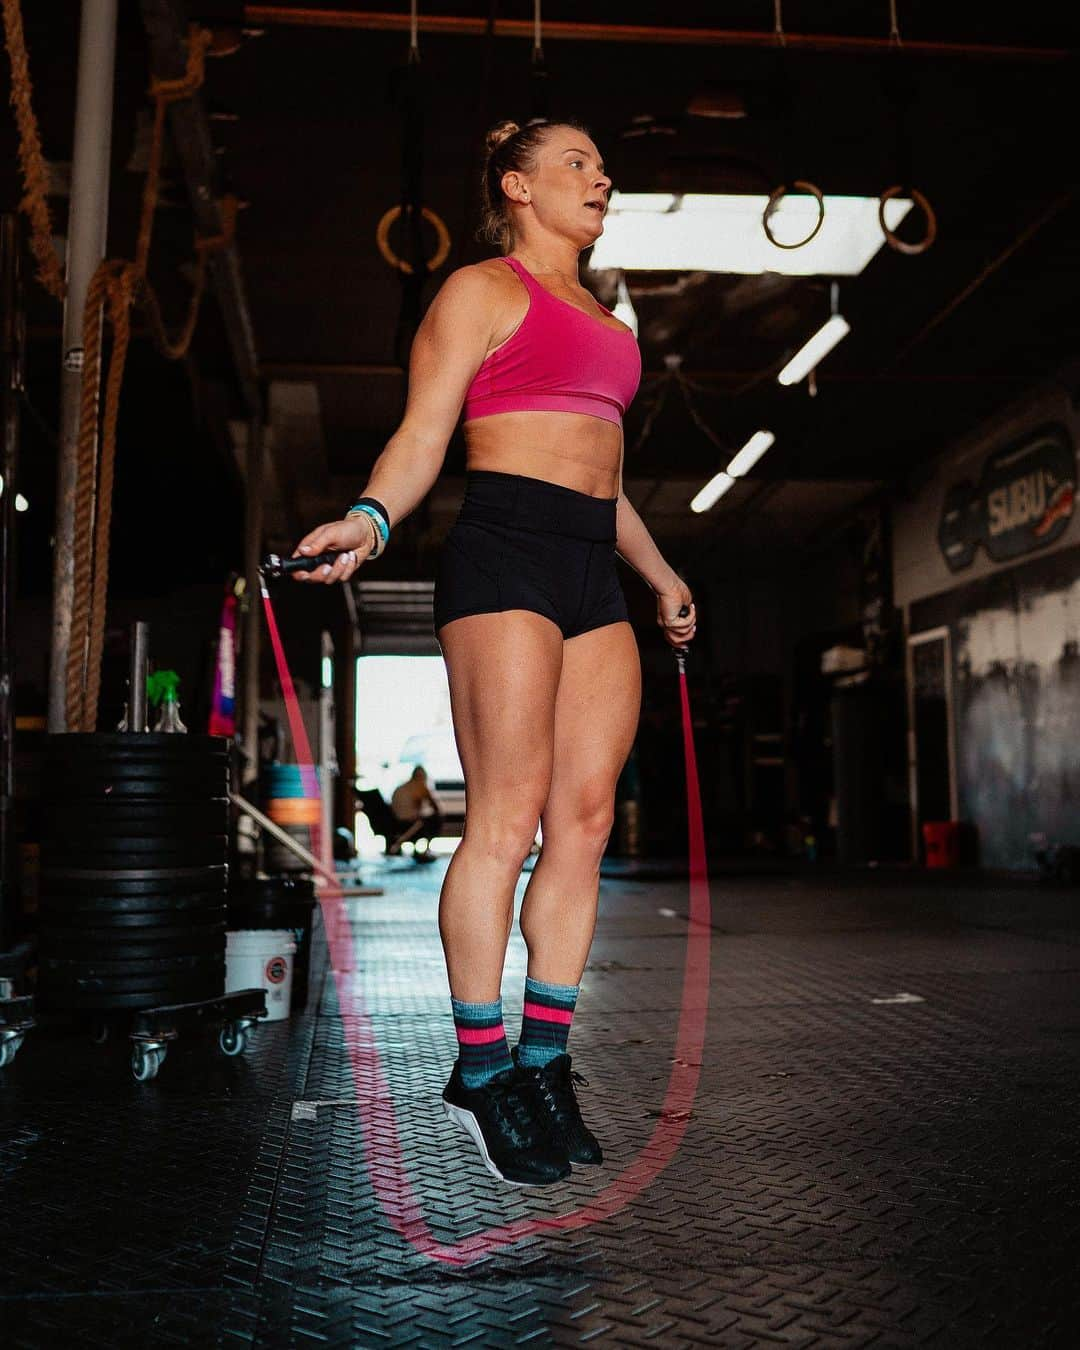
(115, 287)
(119, 289)
(35, 200)
(83, 561)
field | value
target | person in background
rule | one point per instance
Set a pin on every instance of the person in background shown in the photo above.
(408, 804)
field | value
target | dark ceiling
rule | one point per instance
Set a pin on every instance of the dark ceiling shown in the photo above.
(308, 134)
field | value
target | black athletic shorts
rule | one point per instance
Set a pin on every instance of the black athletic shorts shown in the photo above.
(525, 543)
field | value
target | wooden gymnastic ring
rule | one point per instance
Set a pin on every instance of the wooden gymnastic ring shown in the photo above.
(382, 238)
(778, 195)
(924, 206)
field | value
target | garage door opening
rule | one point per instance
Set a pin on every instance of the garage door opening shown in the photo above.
(403, 720)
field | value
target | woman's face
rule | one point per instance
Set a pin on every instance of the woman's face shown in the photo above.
(568, 188)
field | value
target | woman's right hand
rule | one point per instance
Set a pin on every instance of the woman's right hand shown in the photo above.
(354, 538)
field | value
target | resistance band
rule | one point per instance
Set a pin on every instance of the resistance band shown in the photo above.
(382, 1147)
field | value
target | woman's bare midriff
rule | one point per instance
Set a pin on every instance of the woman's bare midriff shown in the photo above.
(571, 449)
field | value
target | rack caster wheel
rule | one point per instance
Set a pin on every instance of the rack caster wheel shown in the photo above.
(9, 1046)
(234, 1037)
(99, 1032)
(146, 1059)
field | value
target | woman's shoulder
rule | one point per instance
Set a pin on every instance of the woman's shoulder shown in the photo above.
(489, 280)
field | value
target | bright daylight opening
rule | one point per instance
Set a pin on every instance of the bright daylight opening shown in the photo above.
(659, 231)
(402, 720)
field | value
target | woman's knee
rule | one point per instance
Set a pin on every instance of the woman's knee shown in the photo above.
(586, 825)
(508, 837)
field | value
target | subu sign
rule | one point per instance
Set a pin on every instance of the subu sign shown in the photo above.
(1023, 501)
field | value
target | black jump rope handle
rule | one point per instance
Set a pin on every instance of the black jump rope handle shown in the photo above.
(681, 653)
(273, 567)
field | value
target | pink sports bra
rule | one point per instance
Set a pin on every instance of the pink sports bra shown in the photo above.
(558, 359)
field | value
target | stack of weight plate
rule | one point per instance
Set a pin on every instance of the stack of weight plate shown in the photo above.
(289, 802)
(133, 877)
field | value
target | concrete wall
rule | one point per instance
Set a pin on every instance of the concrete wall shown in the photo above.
(1014, 628)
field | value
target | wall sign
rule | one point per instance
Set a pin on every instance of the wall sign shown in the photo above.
(1023, 501)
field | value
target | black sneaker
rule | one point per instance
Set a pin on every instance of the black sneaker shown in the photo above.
(504, 1120)
(555, 1090)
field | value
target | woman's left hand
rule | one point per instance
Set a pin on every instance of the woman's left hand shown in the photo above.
(678, 629)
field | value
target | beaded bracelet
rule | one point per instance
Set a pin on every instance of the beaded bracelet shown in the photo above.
(377, 545)
(381, 530)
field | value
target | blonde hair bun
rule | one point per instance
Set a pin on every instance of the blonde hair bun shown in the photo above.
(502, 131)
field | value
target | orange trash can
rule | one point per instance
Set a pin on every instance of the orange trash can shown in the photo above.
(941, 841)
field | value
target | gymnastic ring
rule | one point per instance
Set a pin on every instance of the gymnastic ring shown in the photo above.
(442, 248)
(778, 195)
(924, 206)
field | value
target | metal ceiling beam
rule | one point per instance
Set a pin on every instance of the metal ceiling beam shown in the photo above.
(166, 27)
(658, 34)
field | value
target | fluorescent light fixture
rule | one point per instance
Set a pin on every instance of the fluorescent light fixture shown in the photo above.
(327, 673)
(812, 352)
(721, 232)
(751, 452)
(711, 493)
(742, 463)
(624, 308)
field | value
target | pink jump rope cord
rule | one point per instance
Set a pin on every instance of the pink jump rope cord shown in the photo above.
(384, 1156)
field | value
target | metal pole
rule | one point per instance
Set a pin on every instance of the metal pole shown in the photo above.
(253, 523)
(87, 230)
(651, 34)
(139, 665)
(11, 350)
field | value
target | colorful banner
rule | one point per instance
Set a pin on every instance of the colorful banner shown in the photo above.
(223, 705)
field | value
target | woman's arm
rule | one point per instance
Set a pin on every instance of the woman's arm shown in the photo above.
(448, 349)
(635, 545)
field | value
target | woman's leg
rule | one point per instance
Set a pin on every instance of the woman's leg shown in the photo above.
(504, 672)
(596, 717)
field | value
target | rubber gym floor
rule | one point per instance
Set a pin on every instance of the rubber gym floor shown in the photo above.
(883, 1150)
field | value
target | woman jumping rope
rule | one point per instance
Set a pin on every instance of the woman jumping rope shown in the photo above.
(545, 681)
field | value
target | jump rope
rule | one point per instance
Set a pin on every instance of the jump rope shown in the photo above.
(384, 1156)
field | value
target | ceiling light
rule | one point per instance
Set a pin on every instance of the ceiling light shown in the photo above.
(718, 232)
(21, 504)
(751, 452)
(717, 101)
(819, 346)
(624, 308)
(711, 493)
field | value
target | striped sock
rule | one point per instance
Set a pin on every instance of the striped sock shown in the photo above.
(545, 1022)
(482, 1048)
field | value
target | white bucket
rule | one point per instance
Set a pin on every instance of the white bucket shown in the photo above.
(262, 958)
